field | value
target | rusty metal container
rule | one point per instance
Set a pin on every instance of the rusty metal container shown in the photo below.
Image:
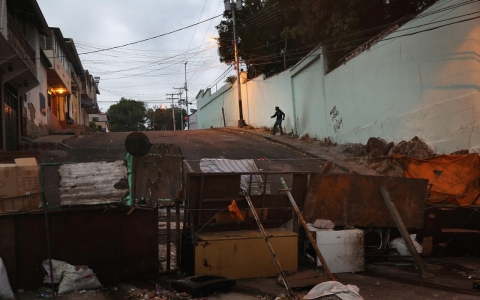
(244, 254)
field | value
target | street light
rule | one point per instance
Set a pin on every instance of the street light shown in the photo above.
(237, 5)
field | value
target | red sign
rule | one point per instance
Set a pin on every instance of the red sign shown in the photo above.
(186, 118)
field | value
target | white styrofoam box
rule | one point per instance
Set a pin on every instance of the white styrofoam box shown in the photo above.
(343, 250)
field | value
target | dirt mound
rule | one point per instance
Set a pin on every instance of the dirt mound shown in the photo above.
(352, 150)
(380, 154)
(413, 148)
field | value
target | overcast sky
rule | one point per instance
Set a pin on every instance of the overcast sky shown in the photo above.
(149, 70)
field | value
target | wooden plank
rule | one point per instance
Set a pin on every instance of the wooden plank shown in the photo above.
(326, 167)
(406, 237)
(307, 231)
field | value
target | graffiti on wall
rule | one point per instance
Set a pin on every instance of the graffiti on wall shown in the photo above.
(336, 119)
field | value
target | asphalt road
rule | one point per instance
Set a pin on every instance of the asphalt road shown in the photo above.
(195, 145)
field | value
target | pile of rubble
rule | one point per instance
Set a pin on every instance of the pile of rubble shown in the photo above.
(378, 154)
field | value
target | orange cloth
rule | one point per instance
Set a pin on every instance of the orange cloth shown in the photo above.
(235, 212)
(455, 178)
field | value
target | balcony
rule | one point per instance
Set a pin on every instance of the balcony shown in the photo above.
(19, 56)
(90, 105)
(19, 43)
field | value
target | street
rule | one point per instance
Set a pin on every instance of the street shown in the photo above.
(195, 145)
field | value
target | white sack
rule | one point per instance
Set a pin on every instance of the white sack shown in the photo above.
(323, 224)
(58, 268)
(399, 245)
(78, 279)
(344, 292)
(6, 292)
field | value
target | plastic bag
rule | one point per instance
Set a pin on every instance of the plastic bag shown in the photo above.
(6, 292)
(78, 279)
(58, 268)
(399, 245)
(323, 224)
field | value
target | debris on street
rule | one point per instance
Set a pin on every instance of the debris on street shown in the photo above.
(344, 292)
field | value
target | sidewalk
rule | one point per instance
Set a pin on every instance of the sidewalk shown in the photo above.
(55, 138)
(313, 148)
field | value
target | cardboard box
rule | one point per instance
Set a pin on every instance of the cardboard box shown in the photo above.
(8, 180)
(19, 186)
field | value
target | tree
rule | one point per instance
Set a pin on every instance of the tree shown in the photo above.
(266, 27)
(161, 119)
(260, 45)
(127, 115)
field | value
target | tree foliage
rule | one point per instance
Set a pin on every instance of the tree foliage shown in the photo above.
(161, 119)
(127, 115)
(276, 34)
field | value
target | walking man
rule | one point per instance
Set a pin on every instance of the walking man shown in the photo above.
(280, 116)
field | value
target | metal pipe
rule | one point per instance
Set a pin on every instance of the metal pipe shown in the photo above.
(186, 95)
(269, 246)
(307, 231)
(178, 238)
(49, 250)
(168, 237)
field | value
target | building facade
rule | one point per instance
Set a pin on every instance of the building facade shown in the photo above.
(22, 73)
(100, 121)
(43, 86)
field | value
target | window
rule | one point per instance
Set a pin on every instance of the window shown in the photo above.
(95, 119)
(43, 107)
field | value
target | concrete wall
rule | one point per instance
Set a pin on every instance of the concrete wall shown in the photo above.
(3, 18)
(193, 121)
(424, 85)
(36, 119)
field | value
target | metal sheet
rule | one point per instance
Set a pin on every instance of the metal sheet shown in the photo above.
(92, 183)
(159, 175)
(210, 193)
(459, 242)
(7, 246)
(355, 200)
(113, 244)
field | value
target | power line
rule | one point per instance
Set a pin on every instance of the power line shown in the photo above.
(310, 46)
(151, 38)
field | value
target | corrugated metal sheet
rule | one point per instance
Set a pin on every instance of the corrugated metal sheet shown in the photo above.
(159, 175)
(115, 245)
(92, 183)
(355, 200)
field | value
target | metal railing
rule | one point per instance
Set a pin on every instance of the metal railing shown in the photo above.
(15, 32)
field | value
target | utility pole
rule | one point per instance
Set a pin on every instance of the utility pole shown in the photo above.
(181, 110)
(186, 96)
(173, 112)
(180, 103)
(228, 6)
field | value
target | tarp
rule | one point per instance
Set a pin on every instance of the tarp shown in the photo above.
(209, 165)
(454, 178)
